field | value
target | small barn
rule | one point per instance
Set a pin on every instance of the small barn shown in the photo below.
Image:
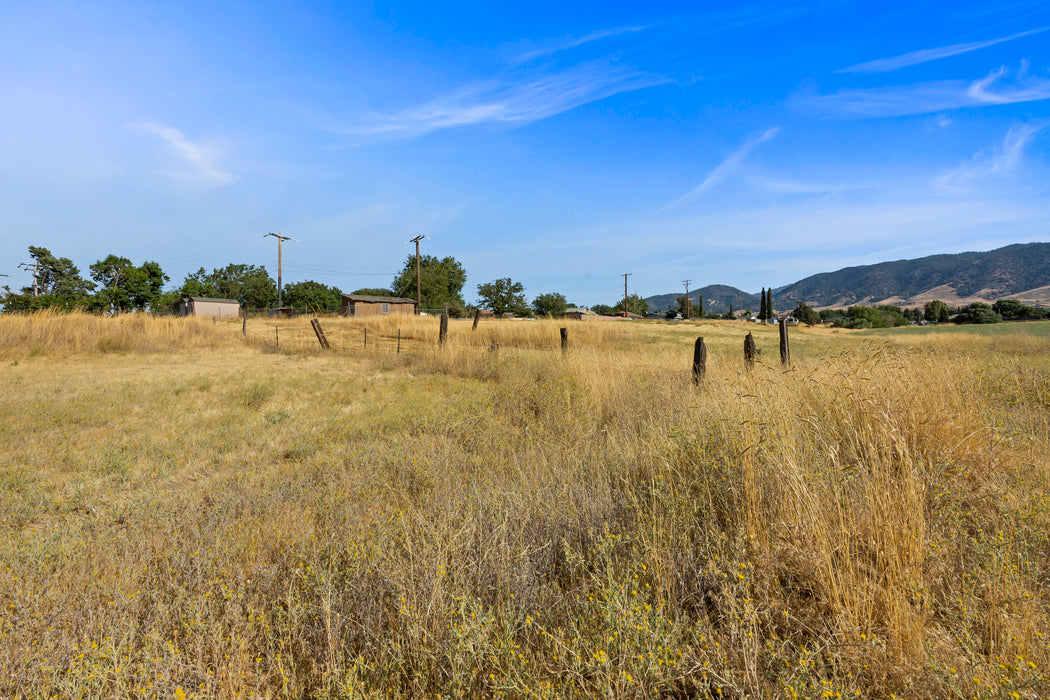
(366, 305)
(206, 307)
(579, 313)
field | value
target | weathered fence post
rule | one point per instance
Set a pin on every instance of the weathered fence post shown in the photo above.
(443, 333)
(699, 361)
(785, 352)
(749, 350)
(244, 326)
(320, 333)
(366, 338)
(398, 341)
(564, 339)
(477, 315)
(277, 336)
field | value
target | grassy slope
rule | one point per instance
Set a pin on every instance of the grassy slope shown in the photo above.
(187, 511)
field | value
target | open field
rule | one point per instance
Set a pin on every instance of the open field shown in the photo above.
(189, 512)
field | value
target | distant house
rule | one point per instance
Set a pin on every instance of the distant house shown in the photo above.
(366, 305)
(579, 313)
(206, 307)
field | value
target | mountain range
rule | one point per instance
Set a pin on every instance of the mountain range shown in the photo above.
(1020, 271)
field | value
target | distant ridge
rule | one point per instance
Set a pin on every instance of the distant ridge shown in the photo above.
(1020, 271)
(717, 298)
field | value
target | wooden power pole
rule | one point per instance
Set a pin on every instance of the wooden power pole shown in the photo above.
(35, 267)
(280, 239)
(419, 288)
(625, 276)
(688, 306)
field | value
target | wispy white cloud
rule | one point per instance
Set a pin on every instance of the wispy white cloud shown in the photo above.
(938, 96)
(553, 46)
(802, 187)
(722, 170)
(1003, 163)
(201, 159)
(1028, 88)
(510, 102)
(914, 58)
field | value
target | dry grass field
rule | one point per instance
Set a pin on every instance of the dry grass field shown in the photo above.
(186, 511)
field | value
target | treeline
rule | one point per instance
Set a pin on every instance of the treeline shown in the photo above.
(936, 311)
(116, 285)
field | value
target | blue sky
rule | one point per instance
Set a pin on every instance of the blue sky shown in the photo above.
(558, 144)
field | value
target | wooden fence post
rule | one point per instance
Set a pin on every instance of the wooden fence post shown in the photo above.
(477, 315)
(320, 333)
(443, 333)
(564, 339)
(749, 350)
(366, 338)
(699, 360)
(244, 326)
(398, 341)
(785, 352)
(277, 336)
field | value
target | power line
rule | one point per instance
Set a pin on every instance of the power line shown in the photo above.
(688, 308)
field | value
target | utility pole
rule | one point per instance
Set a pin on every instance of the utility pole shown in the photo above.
(35, 267)
(687, 304)
(280, 239)
(625, 276)
(419, 288)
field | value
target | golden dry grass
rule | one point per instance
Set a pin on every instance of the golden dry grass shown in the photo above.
(188, 512)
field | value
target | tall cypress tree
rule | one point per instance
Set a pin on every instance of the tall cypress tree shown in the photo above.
(762, 306)
(700, 306)
(769, 303)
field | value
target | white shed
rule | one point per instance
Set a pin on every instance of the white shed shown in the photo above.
(207, 307)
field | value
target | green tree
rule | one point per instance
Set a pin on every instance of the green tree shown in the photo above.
(936, 311)
(441, 280)
(978, 312)
(374, 292)
(550, 304)
(312, 295)
(502, 295)
(762, 305)
(1012, 309)
(249, 284)
(913, 315)
(871, 317)
(770, 313)
(602, 309)
(124, 286)
(635, 305)
(58, 285)
(804, 313)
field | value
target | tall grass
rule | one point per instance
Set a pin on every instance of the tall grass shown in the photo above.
(471, 521)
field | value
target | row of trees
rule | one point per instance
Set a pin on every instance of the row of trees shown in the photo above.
(117, 285)
(765, 309)
(936, 311)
